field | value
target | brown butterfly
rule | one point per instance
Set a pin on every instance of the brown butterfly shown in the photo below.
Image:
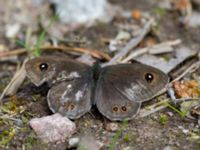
(116, 90)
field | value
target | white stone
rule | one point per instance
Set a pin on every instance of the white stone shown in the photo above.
(12, 30)
(53, 128)
(82, 12)
(73, 142)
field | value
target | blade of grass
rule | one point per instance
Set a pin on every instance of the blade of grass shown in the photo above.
(117, 135)
(42, 36)
(181, 113)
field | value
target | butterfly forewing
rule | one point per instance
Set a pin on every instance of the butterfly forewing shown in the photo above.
(136, 82)
(52, 69)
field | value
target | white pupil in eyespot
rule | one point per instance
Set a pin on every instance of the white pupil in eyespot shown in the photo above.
(149, 77)
(43, 66)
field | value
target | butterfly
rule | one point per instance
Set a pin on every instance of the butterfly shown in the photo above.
(116, 90)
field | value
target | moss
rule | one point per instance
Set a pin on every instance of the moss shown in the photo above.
(6, 136)
(36, 97)
(32, 142)
(159, 11)
(163, 119)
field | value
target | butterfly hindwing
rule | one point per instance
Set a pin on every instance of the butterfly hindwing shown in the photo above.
(71, 98)
(113, 104)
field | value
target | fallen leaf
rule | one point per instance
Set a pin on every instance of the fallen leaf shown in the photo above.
(186, 88)
(181, 4)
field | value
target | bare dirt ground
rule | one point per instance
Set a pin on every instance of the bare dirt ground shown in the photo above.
(151, 132)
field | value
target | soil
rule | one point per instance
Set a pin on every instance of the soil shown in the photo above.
(147, 133)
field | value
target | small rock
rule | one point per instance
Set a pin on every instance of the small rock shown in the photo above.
(73, 142)
(128, 148)
(123, 35)
(12, 30)
(53, 128)
(193, 21)
(88, 142)
(168, 148)
(170, 114)
(112, 126)
(185, 131)
(165, 4)
(79, 12)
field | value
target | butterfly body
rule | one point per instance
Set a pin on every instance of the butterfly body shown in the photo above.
(116, 90)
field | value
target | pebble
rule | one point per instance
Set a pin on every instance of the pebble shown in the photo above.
(12, 30)
(79, 12)
(73, 142)
(90, 143)
(185, 131)
(170, 114)
(168, 148)
(53, 128)
(112, 126)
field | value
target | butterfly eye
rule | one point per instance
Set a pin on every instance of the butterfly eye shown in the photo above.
(123, 108)
(149, 77)
(115, 109)
(43, 66)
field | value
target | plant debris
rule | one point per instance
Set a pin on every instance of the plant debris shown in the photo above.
(186, 89)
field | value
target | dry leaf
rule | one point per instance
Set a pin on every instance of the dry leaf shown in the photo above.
(186, 89)
(182, 4)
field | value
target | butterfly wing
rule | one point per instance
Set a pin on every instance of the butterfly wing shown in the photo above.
(136, 81)
(52, 69)
(71, 98)
(121, 89)
(113, 104)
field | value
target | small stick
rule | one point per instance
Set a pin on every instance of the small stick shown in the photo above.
(159, 106)
(191, 69)
(94, 53)
(157, 47)
(153, 108)
(196, 112)
(131, 44)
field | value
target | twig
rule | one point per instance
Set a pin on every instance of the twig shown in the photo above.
(131, 44)
(15, 82)
(191, 69)
(94, 53)
(152, 109)
(155, 49)
(160, 105)
(196, 112)
(10, 118)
